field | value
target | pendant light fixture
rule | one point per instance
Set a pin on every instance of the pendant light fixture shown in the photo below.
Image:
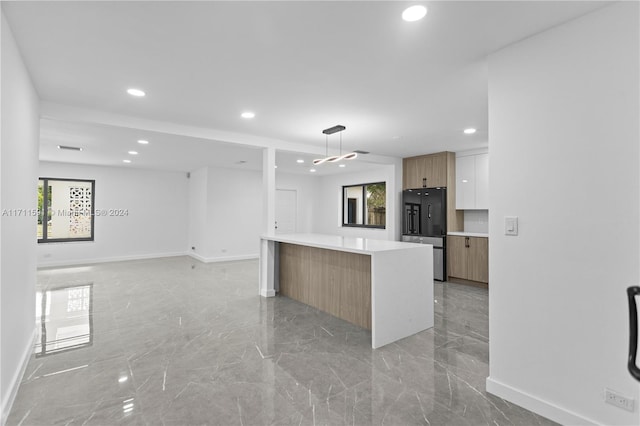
(334, 158)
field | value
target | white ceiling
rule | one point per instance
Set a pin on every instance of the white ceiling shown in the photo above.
(400, 88)
(109, 145)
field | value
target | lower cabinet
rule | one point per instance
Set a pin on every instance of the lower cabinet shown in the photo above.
(468, 258)
(335, 282)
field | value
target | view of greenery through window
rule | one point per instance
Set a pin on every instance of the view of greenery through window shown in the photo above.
(65, 210)
(365, 205)
(376, 204)
(41, 207)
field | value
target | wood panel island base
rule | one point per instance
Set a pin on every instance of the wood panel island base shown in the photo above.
(383, 286)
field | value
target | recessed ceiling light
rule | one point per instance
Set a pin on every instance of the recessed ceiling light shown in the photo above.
(143, 142)
(126, 161)
(136, 92)
(342, 165)
(469, 131)
(248, 114)
(300, 160)
(312, 170)
(414, 13)
(133, 152)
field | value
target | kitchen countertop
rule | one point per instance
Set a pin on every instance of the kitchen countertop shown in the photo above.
(401, 293)
(468, 234)
(336, 242)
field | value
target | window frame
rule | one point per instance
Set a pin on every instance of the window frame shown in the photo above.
(45, 210)
(364, 206)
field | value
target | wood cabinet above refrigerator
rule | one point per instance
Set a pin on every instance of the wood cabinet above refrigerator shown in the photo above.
(426, 171)
(433, 171)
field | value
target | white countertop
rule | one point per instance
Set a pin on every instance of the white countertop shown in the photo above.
(468, 234)
(336, 242)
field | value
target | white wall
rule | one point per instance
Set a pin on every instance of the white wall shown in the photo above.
(329, 211)
(227, 221)
(197, 212)
(476, 221)
(306, 190)
(225, 208)
(226, 211)
(563, 136)
(18, 182)
(234, 213)
(156, 223)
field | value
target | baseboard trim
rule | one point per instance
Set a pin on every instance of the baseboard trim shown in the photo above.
(7, 400)
(109, 259)
(467, 282)
(223, 258)
(535, 404)
(267, 293)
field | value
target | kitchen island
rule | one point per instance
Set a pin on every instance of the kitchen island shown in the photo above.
(384, 286)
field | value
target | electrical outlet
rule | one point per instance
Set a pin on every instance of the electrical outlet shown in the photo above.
(614, 398)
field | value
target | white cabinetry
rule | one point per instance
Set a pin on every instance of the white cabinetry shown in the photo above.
(465, 182)
(472, 182)
(482, 182)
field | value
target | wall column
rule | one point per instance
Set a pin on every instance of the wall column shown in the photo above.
(267, 248)
(269, 190)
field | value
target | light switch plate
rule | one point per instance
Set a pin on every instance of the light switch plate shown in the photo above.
(511, 225)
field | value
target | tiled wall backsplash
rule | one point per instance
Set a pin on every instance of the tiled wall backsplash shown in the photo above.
(476, 221)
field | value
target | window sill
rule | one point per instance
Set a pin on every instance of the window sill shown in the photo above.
(364, 226)
(65, 242)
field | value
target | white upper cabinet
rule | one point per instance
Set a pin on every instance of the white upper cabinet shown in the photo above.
(472, 182)
(465, 182)
(482, 182)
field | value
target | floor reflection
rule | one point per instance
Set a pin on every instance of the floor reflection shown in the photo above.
(64, 319)
(174, 344)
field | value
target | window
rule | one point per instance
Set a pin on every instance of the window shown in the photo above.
(65, 210)
(364, 205)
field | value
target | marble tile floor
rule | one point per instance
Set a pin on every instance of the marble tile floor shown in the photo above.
(177, 342)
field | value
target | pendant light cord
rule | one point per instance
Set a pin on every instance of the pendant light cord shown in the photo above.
(326, 144)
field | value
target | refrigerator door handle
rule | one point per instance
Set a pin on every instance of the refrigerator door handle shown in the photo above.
(632, 292)
(429, 211)
(413, 222)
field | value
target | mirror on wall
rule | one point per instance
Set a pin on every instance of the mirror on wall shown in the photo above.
(364, 205)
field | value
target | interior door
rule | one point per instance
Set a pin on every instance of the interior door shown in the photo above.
(286, 207)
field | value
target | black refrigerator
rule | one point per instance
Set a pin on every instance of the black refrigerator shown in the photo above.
(424, 220)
